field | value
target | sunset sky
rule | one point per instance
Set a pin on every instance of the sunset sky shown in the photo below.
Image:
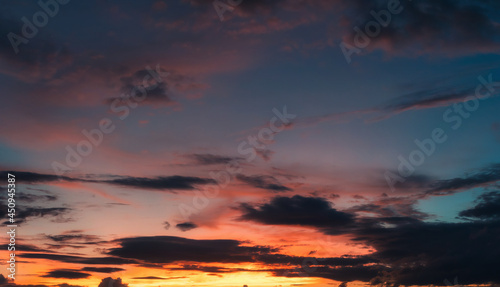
(251, 142)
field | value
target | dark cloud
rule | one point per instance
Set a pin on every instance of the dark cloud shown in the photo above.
(139, 94)
(356, 273)
(110, 282)
(212, 159)
(185, 226)
(248, 7)
(66, 273)
(68, 285)
(487, 208)
(158, 278)
(426, 99)
(103, 269)
(166, 225)
(3, 280)
(408, 251)
(175, 182)
(27, 198)
(79, 259)
(212, 269)
(74, 236)
(167, 249)
(58, 214)
(479, 178)
(263, 182)
(37, 59)
(32, 177)
(437, 26)
(297, 210)
(157, 87)
(25, 247)
(426, 253)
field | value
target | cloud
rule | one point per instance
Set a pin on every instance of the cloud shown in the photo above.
(26, 247)
(3, 280)
(487, 208)
(212, 159)
(426, 253)
(32, 177)
(145, 95)
(431, 26)
(356, 273)
(79, 259)
(426, 99)
(68, 285)
(40, 58)
(28, 213)
(74, 236)
(110, 282)
(297, 210)
(31, 198)
(103, 269)
(263, 182)
(166, 225)
(175, 182)
(478, 178)
(158, 278)
(66, 273)
(186, 226)
(168, 249)
(143, 84)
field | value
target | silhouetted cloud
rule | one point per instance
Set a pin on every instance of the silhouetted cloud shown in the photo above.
(74, 236)
(110, 282)
(185, 226)
(297, 210)
(263, 182)
(79, 259)
(102, 269)
(212, 159)
(158, 278)
(32, 177)
(425, 253)
(423, 28)
(66, 273)
(57, 214)
(175, 182)
(479, 178)
(487, 208)
(167, 249)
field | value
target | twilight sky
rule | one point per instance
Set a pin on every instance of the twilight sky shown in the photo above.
(251, 142)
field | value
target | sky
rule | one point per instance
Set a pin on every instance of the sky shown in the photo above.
(250, 143)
